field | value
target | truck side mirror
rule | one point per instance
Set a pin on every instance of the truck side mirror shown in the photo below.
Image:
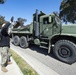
(50, 19)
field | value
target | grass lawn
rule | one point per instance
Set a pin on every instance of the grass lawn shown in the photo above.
(25, 67)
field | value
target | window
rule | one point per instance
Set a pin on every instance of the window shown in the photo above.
(46, 20)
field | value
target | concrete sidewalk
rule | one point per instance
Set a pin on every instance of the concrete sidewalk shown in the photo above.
(13, 69)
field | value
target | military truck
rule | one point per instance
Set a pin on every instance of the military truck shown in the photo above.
(47, 32)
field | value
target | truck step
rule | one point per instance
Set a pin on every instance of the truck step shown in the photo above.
(43, 42)
(44, 47)
(44, 38)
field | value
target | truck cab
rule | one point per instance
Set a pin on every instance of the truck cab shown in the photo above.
(45, 27)
(49, 25)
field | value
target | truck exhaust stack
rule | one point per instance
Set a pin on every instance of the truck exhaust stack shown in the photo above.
(37, 25)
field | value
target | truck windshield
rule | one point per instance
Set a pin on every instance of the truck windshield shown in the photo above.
(58, 21)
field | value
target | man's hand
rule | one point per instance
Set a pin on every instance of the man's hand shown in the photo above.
(12, 19)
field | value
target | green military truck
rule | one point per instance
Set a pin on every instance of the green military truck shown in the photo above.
(47, 31)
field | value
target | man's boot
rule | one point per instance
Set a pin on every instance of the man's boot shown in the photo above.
(4, 69)
(9, 63)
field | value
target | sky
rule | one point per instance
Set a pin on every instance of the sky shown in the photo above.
(26, 8)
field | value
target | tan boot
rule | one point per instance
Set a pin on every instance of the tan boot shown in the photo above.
(4, 69)
(9, 63)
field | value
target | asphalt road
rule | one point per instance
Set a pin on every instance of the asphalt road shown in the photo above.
(48, 60)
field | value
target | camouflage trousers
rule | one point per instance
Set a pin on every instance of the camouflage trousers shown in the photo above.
(5, 55)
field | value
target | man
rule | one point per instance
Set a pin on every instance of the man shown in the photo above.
(5, 45)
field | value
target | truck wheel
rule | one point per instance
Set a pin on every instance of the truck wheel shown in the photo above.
(16, 40)
(23, 42)
(65, 51)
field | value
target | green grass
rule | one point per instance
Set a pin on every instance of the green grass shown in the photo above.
(25, 67)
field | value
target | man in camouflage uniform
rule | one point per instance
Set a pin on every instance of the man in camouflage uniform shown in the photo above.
(5, 45)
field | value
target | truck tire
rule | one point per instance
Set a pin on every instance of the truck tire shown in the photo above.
(16, 40)
(23, 42)
(65, 51)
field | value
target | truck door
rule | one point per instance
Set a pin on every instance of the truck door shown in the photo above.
(46, 27)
